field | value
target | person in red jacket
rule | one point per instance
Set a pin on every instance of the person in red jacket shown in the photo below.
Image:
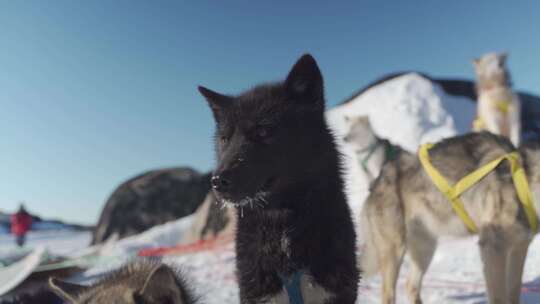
(20, 224)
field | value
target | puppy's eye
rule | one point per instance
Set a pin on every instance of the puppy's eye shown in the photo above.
(224, 139)
(262, 132)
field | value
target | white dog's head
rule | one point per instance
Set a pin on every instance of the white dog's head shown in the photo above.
(360, 134)
(491, 70)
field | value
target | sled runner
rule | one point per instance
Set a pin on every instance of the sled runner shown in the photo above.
(12, 257)
(13, 275)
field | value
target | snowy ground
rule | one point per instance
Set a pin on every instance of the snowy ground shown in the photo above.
(454, 277)
(60, 242)
(408, 110)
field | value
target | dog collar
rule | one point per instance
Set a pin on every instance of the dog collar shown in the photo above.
(291, 284)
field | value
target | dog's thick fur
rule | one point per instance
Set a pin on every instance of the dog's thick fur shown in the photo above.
(406, 211)
(363, 139)
(41, 296)
(141, 282)
(278, 163)
(493, 89)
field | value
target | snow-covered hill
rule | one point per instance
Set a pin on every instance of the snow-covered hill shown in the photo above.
(408, 110)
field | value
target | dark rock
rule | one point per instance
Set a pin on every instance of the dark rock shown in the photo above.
(150, 199)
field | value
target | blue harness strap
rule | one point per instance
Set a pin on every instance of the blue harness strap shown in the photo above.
(291, 284)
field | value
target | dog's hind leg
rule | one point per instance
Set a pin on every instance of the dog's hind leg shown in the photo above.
(421, 245)
(517, 254)
(391, 260)
(390, 247)
(493, 250)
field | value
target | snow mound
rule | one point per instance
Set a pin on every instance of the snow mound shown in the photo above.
(408, 110)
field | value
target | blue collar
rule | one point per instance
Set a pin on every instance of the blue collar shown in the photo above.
(291, 284)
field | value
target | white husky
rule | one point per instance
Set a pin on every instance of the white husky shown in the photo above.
(371, 151)
(499, 108)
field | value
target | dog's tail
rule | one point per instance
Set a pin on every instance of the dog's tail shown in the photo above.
(368, 262)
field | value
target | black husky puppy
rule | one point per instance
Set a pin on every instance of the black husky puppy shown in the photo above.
(278, 163)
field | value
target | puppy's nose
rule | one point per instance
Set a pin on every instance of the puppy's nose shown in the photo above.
(220, 183)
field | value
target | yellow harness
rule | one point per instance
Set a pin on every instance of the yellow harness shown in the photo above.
(453, 193)
(504, 106)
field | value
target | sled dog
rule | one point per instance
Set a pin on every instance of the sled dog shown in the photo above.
(279, 165)
(141, 282)
(499, 108)
(405, 211)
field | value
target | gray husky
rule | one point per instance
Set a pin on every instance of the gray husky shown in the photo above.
(405, 211)
(142, 282)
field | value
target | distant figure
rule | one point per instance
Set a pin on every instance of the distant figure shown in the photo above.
(499, 108)
(20, 224)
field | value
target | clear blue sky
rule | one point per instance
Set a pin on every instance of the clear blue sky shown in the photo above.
(94, 92)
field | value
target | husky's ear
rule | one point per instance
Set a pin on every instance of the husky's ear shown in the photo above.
(503, 57)
(163, 284)
(217, 102)
(67, 291)
(476, 62)
(364, 120)
(305, 82)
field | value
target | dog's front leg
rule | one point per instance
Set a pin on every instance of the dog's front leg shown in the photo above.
(493, 249)
(517, 254)
(515, 127)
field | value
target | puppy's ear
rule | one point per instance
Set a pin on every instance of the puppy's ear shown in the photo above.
(217, 102)
(67, 291)
(305, 83)
(162, 284)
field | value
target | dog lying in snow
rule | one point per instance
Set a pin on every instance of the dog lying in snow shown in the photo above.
(140, 282)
